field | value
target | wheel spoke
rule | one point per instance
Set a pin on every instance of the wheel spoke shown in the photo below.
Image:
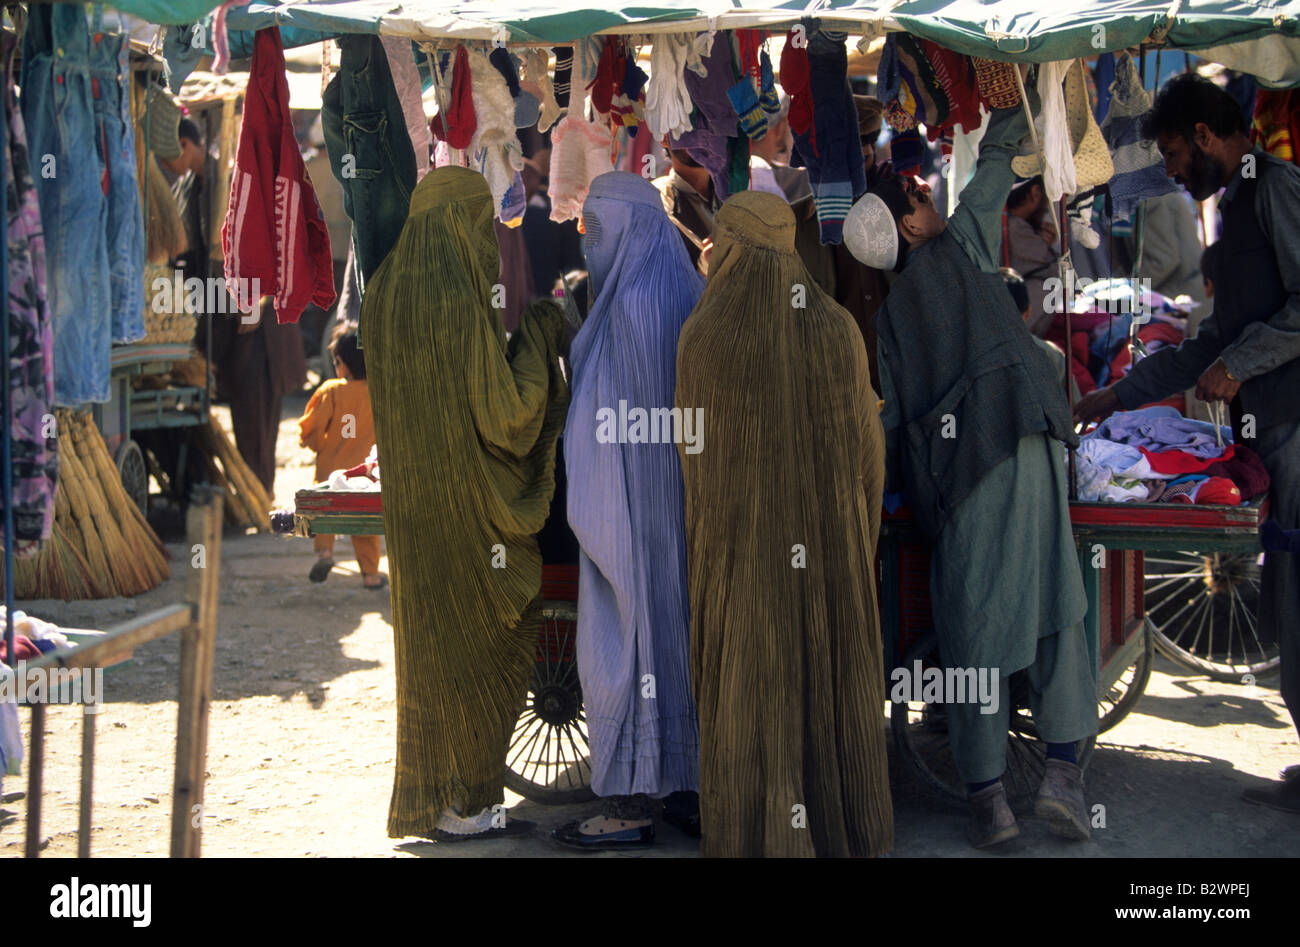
(523, 751)
(1189, 590)
(1202, 600)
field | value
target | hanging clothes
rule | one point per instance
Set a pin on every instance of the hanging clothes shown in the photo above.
(1139, 169)
(782, 517)
(274, 230)
(1276, 125)
(115, 138)
(465, 427)
(832, 148)
(625, 499)
(362, 116)
(35, 456)
(407, 87)
(580, 150)
(59, 114)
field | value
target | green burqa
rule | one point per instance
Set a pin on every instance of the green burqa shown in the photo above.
(466, 427)
(782, 515)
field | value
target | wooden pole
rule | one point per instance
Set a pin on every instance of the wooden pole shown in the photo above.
(198, 641)
(35, 781)
(87, 782)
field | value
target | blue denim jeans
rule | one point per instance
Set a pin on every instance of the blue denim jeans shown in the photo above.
(58, 109)
(116, 141)
(369, 148)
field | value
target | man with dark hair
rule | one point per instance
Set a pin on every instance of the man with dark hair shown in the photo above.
(974, 419)
(192, 156)
(1031, 248)
(1248, 352)
(689, 199)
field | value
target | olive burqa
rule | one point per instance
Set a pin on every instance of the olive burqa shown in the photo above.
(782, 515)
(466, 427)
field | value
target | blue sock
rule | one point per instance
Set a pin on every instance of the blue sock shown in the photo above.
(973, 788)
(1062, 751)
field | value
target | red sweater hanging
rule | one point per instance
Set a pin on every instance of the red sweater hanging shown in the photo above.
(274, 230)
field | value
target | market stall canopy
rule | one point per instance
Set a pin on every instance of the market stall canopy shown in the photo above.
(1026, 30)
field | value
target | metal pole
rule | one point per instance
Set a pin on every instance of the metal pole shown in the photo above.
(6, 452)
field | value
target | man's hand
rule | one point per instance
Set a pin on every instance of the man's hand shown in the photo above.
(1099, 404)
(1215, 385)
(706, 251)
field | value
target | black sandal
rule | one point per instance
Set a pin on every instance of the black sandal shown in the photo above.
(321, 570)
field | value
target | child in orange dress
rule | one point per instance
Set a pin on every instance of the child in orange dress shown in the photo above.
(339, 427)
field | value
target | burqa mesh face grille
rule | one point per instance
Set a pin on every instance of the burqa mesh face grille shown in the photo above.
(591, 224)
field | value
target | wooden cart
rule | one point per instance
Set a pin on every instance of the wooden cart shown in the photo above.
(547, 758)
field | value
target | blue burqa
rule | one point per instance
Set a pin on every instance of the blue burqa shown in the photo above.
(625, 498)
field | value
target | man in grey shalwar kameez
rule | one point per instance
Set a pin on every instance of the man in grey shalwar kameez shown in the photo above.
(1249, 348)
(975, 421)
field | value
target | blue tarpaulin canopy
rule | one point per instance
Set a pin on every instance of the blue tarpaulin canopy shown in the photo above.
(1030, 30)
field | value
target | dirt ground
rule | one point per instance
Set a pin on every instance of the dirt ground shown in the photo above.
(301, 737)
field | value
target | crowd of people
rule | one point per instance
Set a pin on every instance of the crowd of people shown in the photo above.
(728, 630)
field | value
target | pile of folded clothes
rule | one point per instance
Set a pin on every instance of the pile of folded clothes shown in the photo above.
(1155, 455)
(1099, 329)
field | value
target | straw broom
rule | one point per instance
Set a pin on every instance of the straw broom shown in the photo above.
(247, 500)
(127, 573)
(148, 557)
(100, 545)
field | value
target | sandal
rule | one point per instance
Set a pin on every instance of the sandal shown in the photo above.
(512, 828)
(381, 584)
(321, 570)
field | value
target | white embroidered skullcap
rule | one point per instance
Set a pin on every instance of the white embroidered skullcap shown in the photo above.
(871, 234)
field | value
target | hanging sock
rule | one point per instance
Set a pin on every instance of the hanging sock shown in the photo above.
(535, 65)
(753, 122)
(602, 86)
(768, 97)
(563, 74)
(629, 94)
(458, 128)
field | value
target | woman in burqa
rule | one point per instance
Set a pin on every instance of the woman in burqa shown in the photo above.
(625, 507)
(466, 428)
(783, 512)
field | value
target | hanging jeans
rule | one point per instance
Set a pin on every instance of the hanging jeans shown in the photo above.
(31, 337)
(116, 142)
(370, 150)
(58, 109)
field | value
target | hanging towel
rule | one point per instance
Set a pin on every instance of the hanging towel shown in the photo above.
(406, 80)
(274, 229)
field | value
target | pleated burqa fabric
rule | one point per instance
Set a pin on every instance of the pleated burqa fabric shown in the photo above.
(466, 428)
(625, 498)
(782, 516)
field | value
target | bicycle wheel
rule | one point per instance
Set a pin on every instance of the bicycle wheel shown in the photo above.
(548, 758)
(1204, 609)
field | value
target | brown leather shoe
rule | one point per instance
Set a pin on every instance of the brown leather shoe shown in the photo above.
(1284, 795)
(1060, 801)
(991, 820)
